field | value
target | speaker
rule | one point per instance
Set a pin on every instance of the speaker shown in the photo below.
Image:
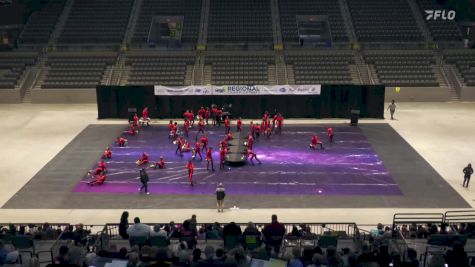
(355, 115)
(132, 112)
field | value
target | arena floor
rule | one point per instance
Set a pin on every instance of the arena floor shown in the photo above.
(441, 133)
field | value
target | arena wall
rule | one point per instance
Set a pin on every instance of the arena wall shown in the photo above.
(58, 96)
(417, 94)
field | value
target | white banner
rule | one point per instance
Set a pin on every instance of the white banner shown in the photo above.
(240, 90)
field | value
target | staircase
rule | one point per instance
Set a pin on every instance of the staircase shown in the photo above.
(61, 22)
(362, 69)
(276, 32)
(420, 20)
(348, 23)
(455, 86)
(117, 70)
(189, 74)
(198, 70)
(281, 70)
(134, 15)
(207, 74)
(203, 33)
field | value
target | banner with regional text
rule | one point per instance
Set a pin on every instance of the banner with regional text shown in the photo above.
(240, 90)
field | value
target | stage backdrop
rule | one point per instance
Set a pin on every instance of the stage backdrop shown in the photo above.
(327, 101)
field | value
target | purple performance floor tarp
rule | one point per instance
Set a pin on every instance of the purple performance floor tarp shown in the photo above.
(349, 166)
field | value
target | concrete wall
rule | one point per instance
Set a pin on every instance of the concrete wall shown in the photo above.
(418, 94)
(10, 96)
(467, 93)
(56, 96)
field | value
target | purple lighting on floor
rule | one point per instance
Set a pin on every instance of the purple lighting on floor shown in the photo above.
(349, 166)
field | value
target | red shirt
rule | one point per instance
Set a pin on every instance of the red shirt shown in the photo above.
(145, 113)
(314, 140)
(201, 125)
(330, 131)
(190, 166)
(206, 113)
(197, 147)
(191, 115)
(161, 163)
(186, 125)
(136, 119)
(204, 140)
(171, 126)
(266, 116)
(227, 123)
(208, 153)
(239, 123)
(201, 112)
(250, 152)
(144, 158)
(108, 153)
(280, 121)
(102, 165)
(222, 153)
(214, 111)
(219, 112)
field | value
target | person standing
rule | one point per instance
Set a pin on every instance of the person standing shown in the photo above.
(392, 108)
(144, 180)
(191, 169)
(220, 195)
(123, 225)
(467, 173)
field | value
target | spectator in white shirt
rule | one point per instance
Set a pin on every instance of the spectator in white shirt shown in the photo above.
(158, 231)
(138, 229)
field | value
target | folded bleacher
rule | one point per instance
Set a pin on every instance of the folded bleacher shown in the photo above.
(234, 21)
(96, 21)
(189, 9)
(169, 70)
(239, 69)
(13, 66)
(384, 21)
(289, 9)
(441, 30)
(464, 61)
(77, 71)
(404, 69)
(41, 24)
(321, 69)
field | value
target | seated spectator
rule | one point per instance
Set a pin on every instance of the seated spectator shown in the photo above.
(412, 258)
(146, 255)
(123, 225)
(273, 234)
(366, 255)
(220, 256)
(209, 260)
(296, 260)
(202, 233)
(80, 234)
(158, 231)
(383, 258)
(232, 229)
(295, 232)
(134, 260)
(332, 258)
(251, 230)
(456, 256)
(163, 258)
(122, 255)
(138, 229)
(212, 233)
(195, 257)
(183, 254)
(188, 234)
(3, 253)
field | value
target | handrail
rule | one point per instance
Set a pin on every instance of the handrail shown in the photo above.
(459, 216)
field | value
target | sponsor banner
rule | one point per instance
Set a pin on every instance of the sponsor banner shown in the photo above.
(240, 90)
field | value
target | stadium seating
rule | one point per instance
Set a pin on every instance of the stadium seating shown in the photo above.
(168, 70)
(441, 30)
(384, 21)
(13, 66)
(239, 70)
(41, 24)
(289, 9)
(189, 9)
(82, 70)
(403, 69)
(240, 21)
(464, 61)
(322, 68)
(96, 21)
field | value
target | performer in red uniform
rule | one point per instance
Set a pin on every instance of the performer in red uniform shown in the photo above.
(250, 141)
(201, 127)
(99, 178)
(209, 159)
(101, 165)
(191, 168)
(186, 115)
(191, 117)
(202, 112)
(214, 111)
(186, 146)
(174, 131)
(227, 124)
(204, 142)
(251, 155)
(229, 137)
(330, 135)
(274, 119)
(186, 127)
(253, 129)
(179, 146)
(136, 120)
(197, 150)
(257, 130)
(160, 164)
(222, 157)
(132, 130)
(239, 124)
(107, 153)
(207, 115)
(268, 130)
(145, 117)
(143, 159)
(315, 142)
(121, 141)
(266, 116)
